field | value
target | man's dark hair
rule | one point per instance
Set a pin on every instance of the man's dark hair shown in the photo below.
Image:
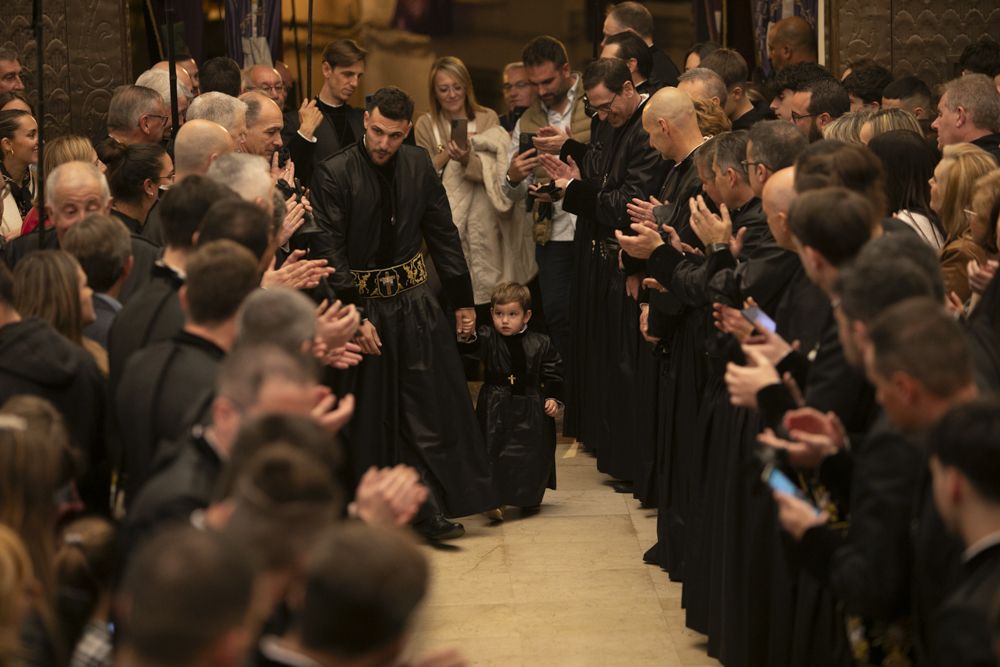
(834, 221)
(392, 103)
(633, 16)
(828, 96)
(868, 83)
(730, 65)
(981, 57)
(911, 248)
(967, 438)
(798, 76)
(295, 431)
(102, 244)
(220, 274)
(906, 88)
(247, 368)
(867, 287)
(703, 49)
(8, 54)
(919, 338)
(240, 221)
(6, 286)
(544, 49)
(184, 205)
(362, 585)
(184, 590)
(612, 73)
(908, 163)
(343, 53)
(131, 167)
(776, 143)
(828, 162)
(220, 74)
(731, 151)
(631, 46)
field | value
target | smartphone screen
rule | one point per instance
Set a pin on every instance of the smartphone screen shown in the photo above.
(460, 132)
(780, 482)
(527, 142)
(759, 318)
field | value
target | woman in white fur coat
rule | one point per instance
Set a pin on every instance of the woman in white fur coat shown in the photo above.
(498, 245)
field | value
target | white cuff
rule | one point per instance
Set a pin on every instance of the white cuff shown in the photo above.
(312, 141)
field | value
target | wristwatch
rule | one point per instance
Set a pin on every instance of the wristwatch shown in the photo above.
(716, 247)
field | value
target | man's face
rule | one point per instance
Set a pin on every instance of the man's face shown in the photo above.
(753, 175)
(239, 133)
(384, 136)
(77, 197)
(659, 139)
(10, 76)
(707, 175)
(156, 124)
(776, 217)
(943, 481)
(191, 67)
(611, 107)
(781, 105)
(845, 332)
(890, 395)
(264, 137)
(775, 50)
(947, 124)
(551, 82)
(857, 104)
(268, 81)
(341, 82)
(611, 27)
(517, 90)
(798, 113)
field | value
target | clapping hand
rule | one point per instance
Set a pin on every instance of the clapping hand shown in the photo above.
(712, 228)
(744, 382)
(797, 516)
(330, 413)
(388, 496)
(336, 324)
(297, 272)
(646, 240)
(550, 139)
(641, 211)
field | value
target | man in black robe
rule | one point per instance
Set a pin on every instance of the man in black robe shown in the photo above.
(963, 449)
(629, 47)
(615, 169)
(36, 360)
(634, 17)
(378, 202)
(165, 385)
(327, 124)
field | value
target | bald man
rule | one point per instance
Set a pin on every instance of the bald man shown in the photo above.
(267, 80)
(791, 40)
(264, 123)
(198, 144)
(183, 76)
(777, 197)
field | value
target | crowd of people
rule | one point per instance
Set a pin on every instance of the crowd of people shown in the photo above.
(235, 354)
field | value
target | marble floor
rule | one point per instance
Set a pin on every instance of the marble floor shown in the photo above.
(564, 587)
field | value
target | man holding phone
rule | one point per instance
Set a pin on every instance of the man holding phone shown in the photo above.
(556, 114)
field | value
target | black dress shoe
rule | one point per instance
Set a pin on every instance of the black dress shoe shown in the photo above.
(439, 528)
(623, 487)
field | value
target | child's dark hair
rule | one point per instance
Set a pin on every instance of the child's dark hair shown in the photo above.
(511, 293)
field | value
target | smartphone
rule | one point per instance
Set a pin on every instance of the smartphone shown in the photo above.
(460, 132)
(779, 481)
(759, 318)
(527, 142)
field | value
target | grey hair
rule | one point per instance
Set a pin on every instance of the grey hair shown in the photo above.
(977, 94)
(159, 81)
(56, 175)
(714, 85)
(278, 316)
(8, 54)
(219, 108)
(248, 175)
(129, 104)
(255, 101)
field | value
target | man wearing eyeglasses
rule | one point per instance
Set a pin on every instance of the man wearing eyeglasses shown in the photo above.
(518, 94)
(818, 105)
(267, 80)
(599, 180)
(138, 115)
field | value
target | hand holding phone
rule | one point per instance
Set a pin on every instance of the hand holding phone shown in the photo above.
(526, 142)
(460, 132)
(759, 319)
(780, 482)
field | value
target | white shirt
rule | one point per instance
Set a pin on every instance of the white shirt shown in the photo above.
(982, 545)
(563, 223)
(923, 226)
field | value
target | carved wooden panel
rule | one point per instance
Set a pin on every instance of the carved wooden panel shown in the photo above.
(86, 55)
(922, 37)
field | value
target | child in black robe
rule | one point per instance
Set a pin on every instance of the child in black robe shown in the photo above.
(520, 396)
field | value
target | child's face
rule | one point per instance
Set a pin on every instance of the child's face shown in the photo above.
(510, 318)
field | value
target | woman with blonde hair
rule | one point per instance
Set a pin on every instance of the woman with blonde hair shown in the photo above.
(847, 128)
(68, 148)
(52, 286)
(17, 590)
(469, 149)
(887, 120)
(952, 187)
(712, 120)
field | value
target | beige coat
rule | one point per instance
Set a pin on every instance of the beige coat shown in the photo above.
(496, 238)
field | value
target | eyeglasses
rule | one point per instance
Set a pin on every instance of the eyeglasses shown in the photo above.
(749, 163)
(276, 88)
(162, 118)
(796, 117)
(520, 85)
(169, 178)
(592, 111)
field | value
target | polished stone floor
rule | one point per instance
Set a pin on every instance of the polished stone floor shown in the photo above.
(564, 587)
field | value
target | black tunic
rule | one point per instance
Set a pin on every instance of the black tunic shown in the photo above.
(664, 70)
(962, 629)
(522, 371)
(161, 393)
(340, 127)
(413, 405)
(623, 166)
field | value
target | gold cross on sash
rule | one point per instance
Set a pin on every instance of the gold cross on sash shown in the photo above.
(512, 378)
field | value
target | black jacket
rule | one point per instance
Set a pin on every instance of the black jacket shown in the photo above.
(626, 168)
(664, 70)
(991, 144)
(962, 628)
(36, 360)
(307, 155)
(348, 207)
(761, 111)
(152, 315)
(162, 391)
